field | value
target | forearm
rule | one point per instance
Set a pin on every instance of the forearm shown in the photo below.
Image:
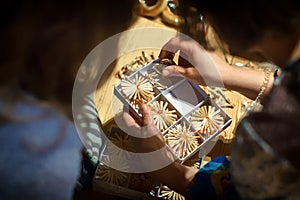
(176, 176)
(243, 80)
(247, 81)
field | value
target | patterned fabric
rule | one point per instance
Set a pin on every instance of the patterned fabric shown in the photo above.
(89, 125)
(213, 181)
(265, 162)
(90, 132)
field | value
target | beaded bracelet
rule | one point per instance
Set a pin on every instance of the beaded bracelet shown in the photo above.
(262, 90)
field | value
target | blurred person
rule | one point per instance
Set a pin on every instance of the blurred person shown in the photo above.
(42, 46)
(264, 162)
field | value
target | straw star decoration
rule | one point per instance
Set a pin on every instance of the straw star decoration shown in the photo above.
(163, 117)
(139, 89)
(182, 140)
(207, 119)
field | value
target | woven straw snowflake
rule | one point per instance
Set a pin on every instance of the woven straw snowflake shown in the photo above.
(166, 193)
(182, 140)
(138, 89)
(163, 117)
(207, 119)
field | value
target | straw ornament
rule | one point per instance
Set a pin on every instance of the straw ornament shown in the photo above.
(163, 117)
(182, 140)
(137, 90)
(207, 119)
(166, 193)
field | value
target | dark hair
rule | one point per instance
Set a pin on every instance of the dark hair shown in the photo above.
(242, 23)
(44, 42)
(42, 46)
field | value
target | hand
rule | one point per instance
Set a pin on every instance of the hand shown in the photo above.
(177, 176)
(195, 63)
(147, 137)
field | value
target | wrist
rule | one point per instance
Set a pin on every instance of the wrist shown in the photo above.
(230, 75)
(243, 80)
(225, 70)
(249, 82)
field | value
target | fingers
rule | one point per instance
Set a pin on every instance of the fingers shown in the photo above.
(128, 124)
(173, 70)
(168, 51)
(170, 48)
(129, 120)
(150, 138)
(190, 73)
(175, 44)
(146, 113)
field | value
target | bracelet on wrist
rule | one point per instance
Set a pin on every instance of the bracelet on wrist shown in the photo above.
(267, 74)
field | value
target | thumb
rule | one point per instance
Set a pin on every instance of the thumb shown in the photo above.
(146, 113)
(174, 70)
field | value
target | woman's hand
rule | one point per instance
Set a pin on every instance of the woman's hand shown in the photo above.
(207, 69)
(195, 63)
(175, 175)
(150, 138)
